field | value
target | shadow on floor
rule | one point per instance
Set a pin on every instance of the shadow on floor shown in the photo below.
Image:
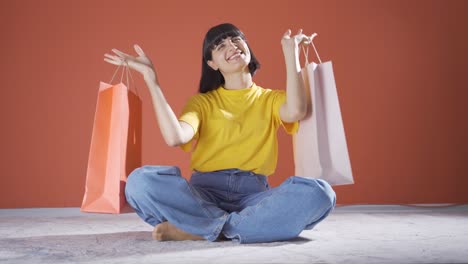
(112, 245)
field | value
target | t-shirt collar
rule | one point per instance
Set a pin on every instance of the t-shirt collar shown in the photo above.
(237, 92)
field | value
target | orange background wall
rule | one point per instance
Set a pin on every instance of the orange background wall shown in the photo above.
(400, 70)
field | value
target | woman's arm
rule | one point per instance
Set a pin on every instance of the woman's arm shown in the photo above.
(174, 132)
(295, 107)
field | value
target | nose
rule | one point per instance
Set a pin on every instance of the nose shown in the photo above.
(231, 44)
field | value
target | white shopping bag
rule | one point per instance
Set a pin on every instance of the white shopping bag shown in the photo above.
(320, 149)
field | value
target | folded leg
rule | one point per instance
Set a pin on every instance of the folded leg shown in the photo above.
(160, 193)
(281, 213)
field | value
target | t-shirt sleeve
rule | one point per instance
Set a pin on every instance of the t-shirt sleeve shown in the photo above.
(191, 114)
(279, 97)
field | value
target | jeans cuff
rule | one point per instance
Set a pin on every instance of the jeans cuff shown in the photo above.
(218, 229)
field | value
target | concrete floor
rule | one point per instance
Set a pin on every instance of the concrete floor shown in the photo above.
(351, 234)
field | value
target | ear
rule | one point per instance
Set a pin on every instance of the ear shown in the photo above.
(212, 65)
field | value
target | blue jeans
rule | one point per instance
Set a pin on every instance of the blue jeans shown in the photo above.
(237, 204)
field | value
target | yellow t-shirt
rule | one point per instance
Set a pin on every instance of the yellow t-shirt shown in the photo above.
(235, 129)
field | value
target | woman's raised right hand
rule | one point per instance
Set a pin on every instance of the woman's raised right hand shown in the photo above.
(141, 64)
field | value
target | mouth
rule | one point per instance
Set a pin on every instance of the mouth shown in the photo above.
(234, 56)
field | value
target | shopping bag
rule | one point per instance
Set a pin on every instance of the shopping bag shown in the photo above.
(319, 146)
(115, 147)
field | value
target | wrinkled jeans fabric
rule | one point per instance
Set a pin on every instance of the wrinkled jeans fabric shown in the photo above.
(237, 204)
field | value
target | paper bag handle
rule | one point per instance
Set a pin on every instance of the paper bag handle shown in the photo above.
(306, 52)
(127, 71)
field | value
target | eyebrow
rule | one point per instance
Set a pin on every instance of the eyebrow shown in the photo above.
(220, 43)
(232, 37)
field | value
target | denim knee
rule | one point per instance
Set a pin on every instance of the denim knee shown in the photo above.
(324, 189)
(143, 179)
(135, 182)
(328, 191)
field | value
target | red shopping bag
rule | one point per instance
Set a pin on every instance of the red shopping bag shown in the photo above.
(115, 147)
(319, 146)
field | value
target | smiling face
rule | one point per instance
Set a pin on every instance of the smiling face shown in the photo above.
(230, 55)
(225, 51)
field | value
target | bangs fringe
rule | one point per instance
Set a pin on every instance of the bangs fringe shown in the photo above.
(217, 36)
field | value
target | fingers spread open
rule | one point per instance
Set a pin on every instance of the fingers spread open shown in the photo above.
(112, 61)
(121, 54)
(138, 50)
(313, 36)
(112, 57)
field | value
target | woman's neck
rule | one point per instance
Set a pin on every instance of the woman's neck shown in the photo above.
(238, 80)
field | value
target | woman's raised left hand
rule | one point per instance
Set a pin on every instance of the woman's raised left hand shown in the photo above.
(291, 43)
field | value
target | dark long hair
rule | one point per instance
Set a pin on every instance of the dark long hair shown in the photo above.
(212, 79)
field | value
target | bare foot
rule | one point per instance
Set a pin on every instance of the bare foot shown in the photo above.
(166, 231)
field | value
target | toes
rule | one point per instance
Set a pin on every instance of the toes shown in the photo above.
(158, 232)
